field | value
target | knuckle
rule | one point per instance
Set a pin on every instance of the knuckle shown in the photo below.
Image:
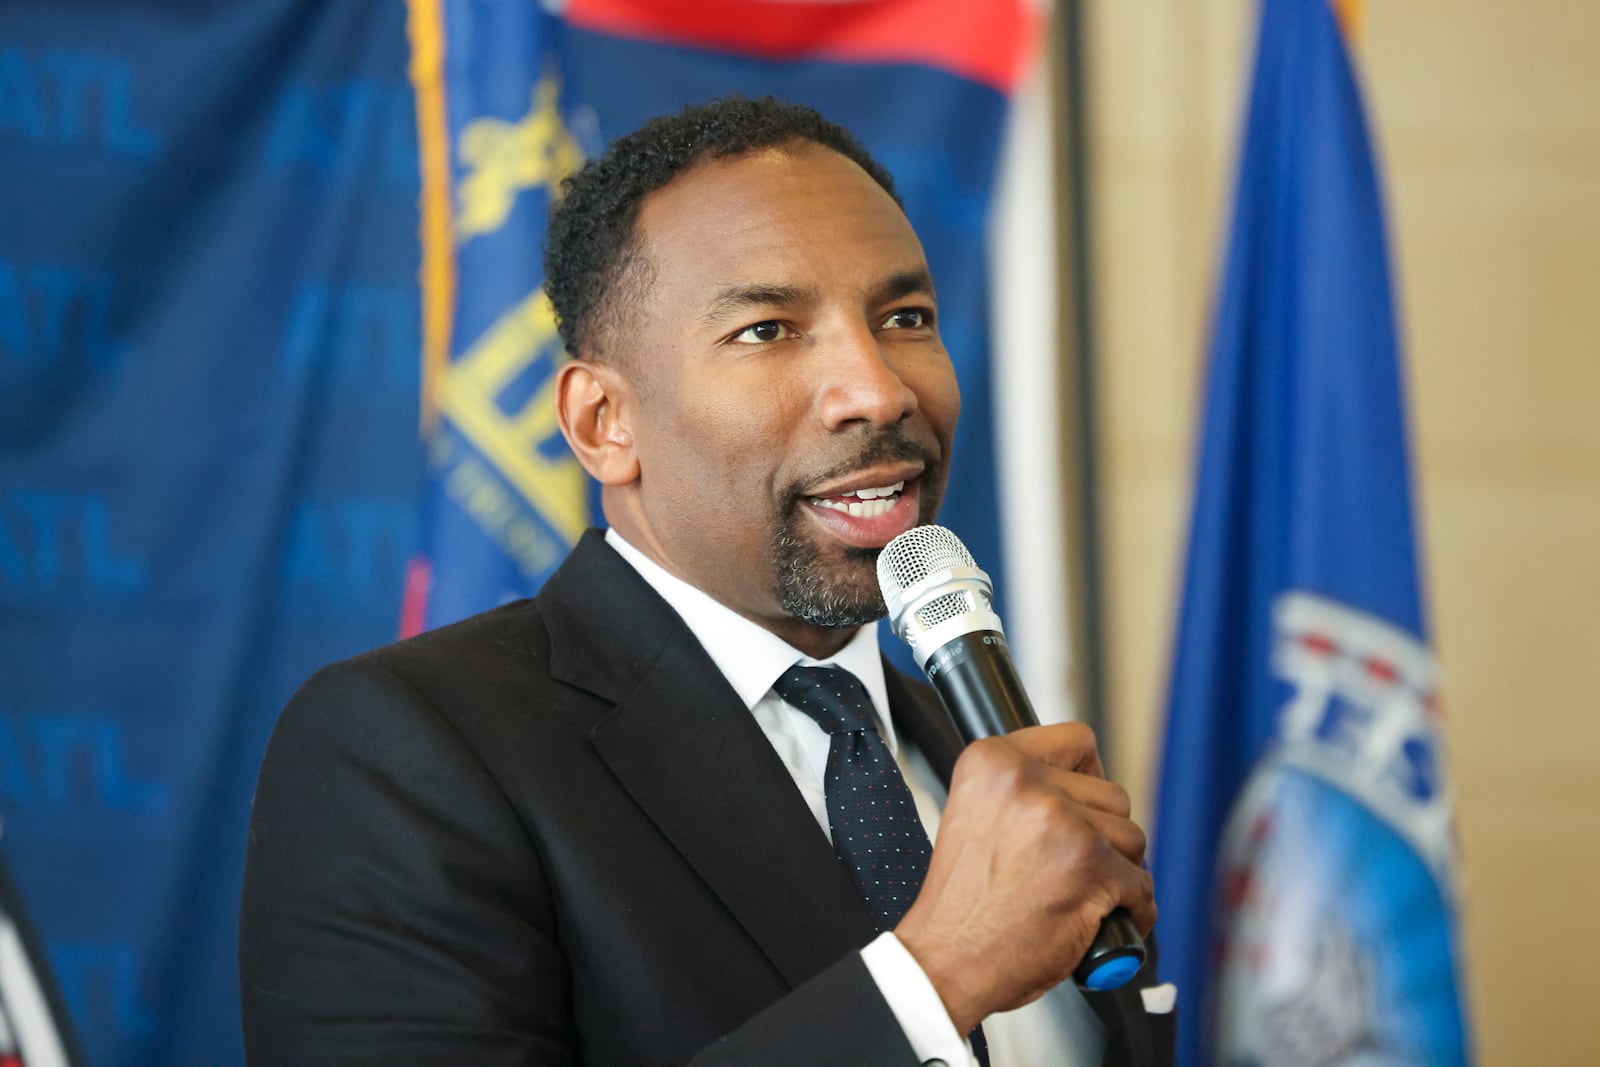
(1119, 801)
(1080, 739)
(984, 751)
(1146, 886)
(1138, 840)
(991, 766)
(974, 760)
(1081, 735)
(1044, 808)
(1009, 767)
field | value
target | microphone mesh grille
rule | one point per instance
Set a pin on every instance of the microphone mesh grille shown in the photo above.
(916, 554)
(943, 608)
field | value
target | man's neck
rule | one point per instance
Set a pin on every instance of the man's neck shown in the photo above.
(818, 642)
(748, 654)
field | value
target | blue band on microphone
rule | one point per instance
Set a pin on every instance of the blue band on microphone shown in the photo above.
(1112, 974)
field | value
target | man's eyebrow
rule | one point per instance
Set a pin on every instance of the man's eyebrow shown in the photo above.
(904, 283)
(734, 299)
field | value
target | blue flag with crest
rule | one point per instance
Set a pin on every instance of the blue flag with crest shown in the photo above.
(505, 499)
(1304, 859)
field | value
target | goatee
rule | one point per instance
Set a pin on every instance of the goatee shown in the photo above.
(811, 595)
(847, 594)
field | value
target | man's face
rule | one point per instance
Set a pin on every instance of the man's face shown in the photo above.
(795, 406)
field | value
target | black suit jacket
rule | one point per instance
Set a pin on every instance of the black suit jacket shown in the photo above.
(553, 834)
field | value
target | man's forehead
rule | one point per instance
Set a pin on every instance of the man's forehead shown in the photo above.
(761, 223)
(762, 162)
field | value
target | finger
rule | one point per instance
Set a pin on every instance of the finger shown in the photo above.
(1139, 898)
(1070, 746)
(1122, 834)
(1121, 884)
(1089, 790)
(1018, 784)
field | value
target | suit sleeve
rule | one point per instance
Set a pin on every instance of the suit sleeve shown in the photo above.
(394, 908)
(837, 1019)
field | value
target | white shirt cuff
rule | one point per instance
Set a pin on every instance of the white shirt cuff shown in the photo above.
(915, 1003)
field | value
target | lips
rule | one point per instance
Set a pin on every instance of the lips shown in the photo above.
(869, 509)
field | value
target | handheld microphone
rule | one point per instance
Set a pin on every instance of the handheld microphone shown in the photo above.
(942, 605)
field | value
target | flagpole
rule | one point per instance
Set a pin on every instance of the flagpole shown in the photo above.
(1076, 400)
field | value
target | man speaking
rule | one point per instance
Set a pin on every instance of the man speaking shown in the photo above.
(660, 812)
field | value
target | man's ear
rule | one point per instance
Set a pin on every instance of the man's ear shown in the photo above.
(594, 404)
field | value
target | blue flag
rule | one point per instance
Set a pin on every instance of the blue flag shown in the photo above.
(505, 499)
(209, 465)
(1304, 861)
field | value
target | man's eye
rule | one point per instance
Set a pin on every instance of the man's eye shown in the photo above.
(908, 319)
(763, 333)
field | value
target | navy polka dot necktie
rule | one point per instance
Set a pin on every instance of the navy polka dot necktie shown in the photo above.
(876, 830)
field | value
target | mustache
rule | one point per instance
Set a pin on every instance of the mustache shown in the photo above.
(889, 443)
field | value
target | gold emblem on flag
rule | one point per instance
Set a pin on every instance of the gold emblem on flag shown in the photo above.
(515, 443)
(497, 392)
(504, 158)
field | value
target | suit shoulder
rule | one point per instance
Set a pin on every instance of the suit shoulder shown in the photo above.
(508, 637)
(471, 676)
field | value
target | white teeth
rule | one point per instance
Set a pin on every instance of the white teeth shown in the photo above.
(882, 490)
(858, 509)
(867, 503)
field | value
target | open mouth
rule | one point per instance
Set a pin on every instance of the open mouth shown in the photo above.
(868, 516)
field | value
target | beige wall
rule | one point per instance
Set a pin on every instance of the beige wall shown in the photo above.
(1488, 119)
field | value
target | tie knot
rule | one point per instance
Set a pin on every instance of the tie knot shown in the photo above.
(832, 696)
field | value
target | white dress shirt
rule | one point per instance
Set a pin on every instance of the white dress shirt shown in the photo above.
(1058, 1029)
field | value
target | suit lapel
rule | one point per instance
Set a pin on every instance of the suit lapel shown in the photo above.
(692, 757)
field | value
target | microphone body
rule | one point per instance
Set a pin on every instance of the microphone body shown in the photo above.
(941, 604)
(974, 675)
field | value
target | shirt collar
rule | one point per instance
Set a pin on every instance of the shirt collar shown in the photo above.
(750, 656)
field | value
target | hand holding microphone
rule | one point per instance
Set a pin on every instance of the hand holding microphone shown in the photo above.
(1036, 873)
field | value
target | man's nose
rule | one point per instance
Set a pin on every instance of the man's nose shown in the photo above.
(862, 382)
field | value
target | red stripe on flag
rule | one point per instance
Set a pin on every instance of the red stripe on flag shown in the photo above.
(413, 599)
(985, 40)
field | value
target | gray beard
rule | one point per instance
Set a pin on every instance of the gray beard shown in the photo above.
(804, 588)
(810, 595)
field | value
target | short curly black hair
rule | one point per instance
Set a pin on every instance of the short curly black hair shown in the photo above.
(590, 252)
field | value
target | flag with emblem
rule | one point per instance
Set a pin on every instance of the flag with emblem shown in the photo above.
(505, 500)
(1303, 857)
